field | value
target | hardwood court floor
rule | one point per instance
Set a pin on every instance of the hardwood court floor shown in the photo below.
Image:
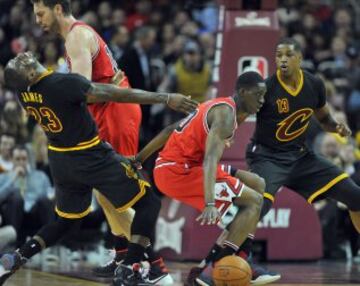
(293, 274)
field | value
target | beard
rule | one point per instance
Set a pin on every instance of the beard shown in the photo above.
(54, 27)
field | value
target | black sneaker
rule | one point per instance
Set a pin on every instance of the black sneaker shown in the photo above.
(108, 270)
(126, 275)
(159, 274)
(262, 276)
(196, 278)
(9, 263)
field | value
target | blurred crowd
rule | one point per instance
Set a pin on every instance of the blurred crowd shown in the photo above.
(175, 42)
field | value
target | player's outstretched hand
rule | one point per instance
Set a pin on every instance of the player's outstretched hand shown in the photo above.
(343, 130)
(210, 215)
(181, 103)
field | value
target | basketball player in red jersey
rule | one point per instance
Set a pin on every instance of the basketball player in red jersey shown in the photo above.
(188, 169)
(118, 124)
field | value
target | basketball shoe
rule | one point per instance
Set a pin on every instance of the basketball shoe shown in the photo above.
(126, 275)
(108, 270)
(9, 263)
(260, 276)
(159, 274)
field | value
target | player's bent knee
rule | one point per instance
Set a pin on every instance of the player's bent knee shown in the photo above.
(250, 198)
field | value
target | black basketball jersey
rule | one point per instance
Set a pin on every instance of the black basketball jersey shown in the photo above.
(58, 103)
(284, 118)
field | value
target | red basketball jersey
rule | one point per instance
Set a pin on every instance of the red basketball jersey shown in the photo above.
(118, 123)
(187, 143)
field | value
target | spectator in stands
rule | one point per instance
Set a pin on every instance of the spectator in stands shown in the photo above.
(353, 75)
(172, 51)
(119, 42)
(13, 122)
(25, 196)
(118, 18)
(207, 41)
(51, 56)
(7, 143)
(191, 74)
(141, 15)
(136, 62)
(104, 13)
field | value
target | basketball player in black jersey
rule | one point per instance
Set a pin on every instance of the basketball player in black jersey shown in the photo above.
(278, 151)
(79, 161)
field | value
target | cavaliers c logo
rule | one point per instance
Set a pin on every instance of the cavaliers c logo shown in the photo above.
(284, 134)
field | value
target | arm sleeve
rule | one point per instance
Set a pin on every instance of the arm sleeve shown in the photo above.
(321, 93)
(77, 87)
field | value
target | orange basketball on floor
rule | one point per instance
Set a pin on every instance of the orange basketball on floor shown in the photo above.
(232, 271)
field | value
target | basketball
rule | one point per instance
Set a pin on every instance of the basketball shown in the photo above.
(232, 271)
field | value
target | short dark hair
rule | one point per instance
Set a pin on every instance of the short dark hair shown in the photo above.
(290, 41)
(65, 4)
(143, 32)
(20, 147)
(12, 79)
(248, 79)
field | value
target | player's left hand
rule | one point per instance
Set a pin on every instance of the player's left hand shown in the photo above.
(343, 130)
(209, 216)
(181, 103)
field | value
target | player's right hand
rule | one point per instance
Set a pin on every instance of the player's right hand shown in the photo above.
(181, 103)
(209, 216)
